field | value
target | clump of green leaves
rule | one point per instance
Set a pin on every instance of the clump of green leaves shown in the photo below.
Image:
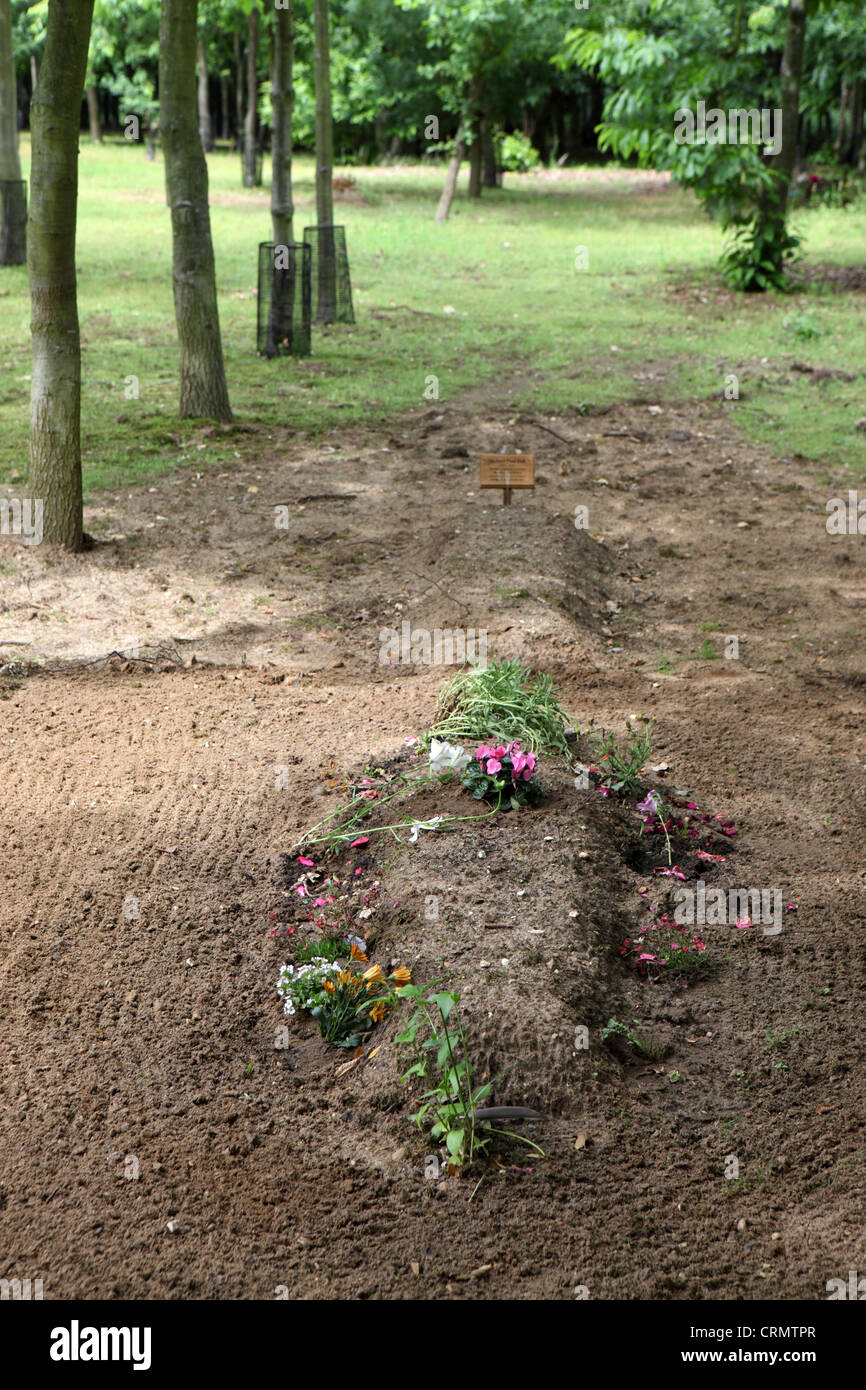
(758, 253)
(501, 702)
(437, 1038)
(619, 764)
(631, 1035)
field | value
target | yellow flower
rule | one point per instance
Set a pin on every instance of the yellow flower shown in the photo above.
(357, 953)
(377, 1013)
(374, 975)
(402, 975)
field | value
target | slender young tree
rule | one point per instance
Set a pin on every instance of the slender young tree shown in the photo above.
(282, 104)
(203, 390)
(451, 176)
(55, 390)
(252, 97)
(93, 114)
(205, 127)
(13, 201)
(326, 288)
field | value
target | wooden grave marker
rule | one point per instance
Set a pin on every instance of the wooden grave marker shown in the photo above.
(507, 471)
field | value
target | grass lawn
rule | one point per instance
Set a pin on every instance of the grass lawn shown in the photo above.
(646, 318)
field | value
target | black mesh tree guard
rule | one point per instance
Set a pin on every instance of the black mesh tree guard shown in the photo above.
(284, 317)
(332, 287)
(13, 222)
(252, 169)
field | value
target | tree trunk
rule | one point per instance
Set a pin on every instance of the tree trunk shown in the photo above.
(204, 122)
(476, 159)
(326, 295)
(782, 164)
(252, 99)
(239, 91)
(488, 153)
(93, 115)
(454, 163)
(13, 197)
(10, 164)
(34, 73)
(282, 103)
(224, 106)
(203, 391)
(55, 389)
(844, 97)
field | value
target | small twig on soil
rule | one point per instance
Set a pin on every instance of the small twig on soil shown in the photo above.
(531, 420)
(428, 580)
(625, 434)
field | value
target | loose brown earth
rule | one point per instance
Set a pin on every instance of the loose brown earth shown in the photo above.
(144, 833)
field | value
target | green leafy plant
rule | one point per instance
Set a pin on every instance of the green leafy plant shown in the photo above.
(437, 1039)
(518, 154)
(758, 253)
(502, 701)
(621, 763)
(633, 1037)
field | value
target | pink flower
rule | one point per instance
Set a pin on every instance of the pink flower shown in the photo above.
(309, 863)
(363, 840)
(745, 922)
(484, 751)
(792, 907)
(645, 955)
(699, 945)
(493, 765)
(301, 890)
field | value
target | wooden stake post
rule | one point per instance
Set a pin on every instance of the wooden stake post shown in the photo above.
(507, 471)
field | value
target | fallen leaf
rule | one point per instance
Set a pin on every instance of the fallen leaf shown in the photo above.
(415, 1267)
(580, 1141)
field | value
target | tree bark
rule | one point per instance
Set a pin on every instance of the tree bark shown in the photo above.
(239, 90)
(93, 115)
(10, 164)
(454, 163)
(488, 151)
(203, 390)
(13, 197)
(282, 104)
(252, 99)
(782, 164)
(205, 129)
(55, 389)
(844, 97)
(326, 296)
(34, 74)
(224, 106)
(475, 160)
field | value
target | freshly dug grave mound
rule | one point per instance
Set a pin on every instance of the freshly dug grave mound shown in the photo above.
(524, 914)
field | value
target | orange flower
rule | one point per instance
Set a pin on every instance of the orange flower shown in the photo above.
(402, 975)
(328, 986)
(374, 975)
(357, 953)
(377, 1013)
(345, 978)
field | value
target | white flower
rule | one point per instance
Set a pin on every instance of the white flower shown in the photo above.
(419, 825)
(445, 758)
(288, 1007)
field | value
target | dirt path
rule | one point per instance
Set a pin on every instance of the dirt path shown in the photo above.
(143, 829)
